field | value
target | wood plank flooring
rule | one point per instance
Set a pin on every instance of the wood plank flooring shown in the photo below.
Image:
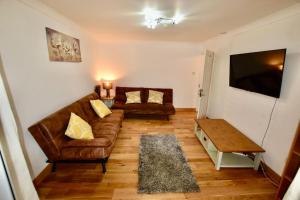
(85, 181)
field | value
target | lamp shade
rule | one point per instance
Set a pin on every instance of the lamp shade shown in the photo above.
(107, 85)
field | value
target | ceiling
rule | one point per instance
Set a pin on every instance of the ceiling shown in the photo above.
(123, 19)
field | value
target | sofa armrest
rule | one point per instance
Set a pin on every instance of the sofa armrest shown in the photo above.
(97, 142)
(169, 108)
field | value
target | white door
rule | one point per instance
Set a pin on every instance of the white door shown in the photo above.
(204, 83)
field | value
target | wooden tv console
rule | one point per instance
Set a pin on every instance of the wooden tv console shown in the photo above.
(227, 146)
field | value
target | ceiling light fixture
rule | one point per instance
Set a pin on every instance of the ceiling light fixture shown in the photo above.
(153, 18)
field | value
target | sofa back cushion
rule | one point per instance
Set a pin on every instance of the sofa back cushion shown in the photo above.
(89, 114)
(50, 131)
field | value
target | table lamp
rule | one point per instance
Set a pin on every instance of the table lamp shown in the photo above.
(107, 85)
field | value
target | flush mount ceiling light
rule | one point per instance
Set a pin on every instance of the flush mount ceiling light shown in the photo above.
(153, 18)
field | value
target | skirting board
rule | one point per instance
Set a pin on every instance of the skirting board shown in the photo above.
(271, 174)
(185, 109)
(46, 171)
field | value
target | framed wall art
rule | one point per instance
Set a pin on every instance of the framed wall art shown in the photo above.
(62, 47)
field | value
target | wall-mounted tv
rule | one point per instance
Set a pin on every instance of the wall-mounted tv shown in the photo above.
(259, 72)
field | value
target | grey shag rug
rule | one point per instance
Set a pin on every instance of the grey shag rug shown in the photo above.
(163, 166)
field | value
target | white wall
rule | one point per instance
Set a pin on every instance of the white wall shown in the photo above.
(250, 111)
(152, 64)
(39, 86)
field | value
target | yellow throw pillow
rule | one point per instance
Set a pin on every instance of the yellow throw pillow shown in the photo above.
(133, 97)
(78, 128)
(155, 97)
(100, 108)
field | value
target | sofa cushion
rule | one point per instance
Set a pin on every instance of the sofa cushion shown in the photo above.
(155, 97)
(78, 128)
(87, 113)
(109, 125)
(115, 117)
(97, 142)
(55, 125)
(100, 108)
(106, 130)
(84, 153)
(133, 97)
(168, 94)
(99, 127)
(121, 96)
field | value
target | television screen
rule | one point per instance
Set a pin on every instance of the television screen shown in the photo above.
(259, 72)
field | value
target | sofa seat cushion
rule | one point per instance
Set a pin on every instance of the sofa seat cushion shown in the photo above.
(118, 105)
(99, 126)
(115, 117)
(146, 108)
(106, 130)
(97, 142)
(85, 153)
(88, 149)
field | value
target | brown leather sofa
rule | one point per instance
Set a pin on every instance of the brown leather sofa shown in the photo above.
(50, 134)
(144, 108)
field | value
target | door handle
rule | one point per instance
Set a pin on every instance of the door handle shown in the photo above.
(201, 93)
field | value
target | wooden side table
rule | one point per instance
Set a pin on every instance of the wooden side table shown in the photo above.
(109, 101)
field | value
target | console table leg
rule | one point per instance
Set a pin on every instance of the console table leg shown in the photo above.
(219, 160)
(196, 127)
(257, 161)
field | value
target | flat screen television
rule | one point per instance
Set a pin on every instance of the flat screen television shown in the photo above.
(259, 72)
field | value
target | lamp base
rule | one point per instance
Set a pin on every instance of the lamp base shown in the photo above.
(107, 93)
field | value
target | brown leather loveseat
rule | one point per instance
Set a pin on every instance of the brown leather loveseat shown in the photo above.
(50, 134)
(144, 108)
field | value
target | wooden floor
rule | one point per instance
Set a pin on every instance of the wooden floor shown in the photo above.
(85, 181)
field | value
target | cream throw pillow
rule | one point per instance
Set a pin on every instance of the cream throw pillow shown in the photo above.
(100, 108)
(78, 128)
(133, 97)
(155, 97)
